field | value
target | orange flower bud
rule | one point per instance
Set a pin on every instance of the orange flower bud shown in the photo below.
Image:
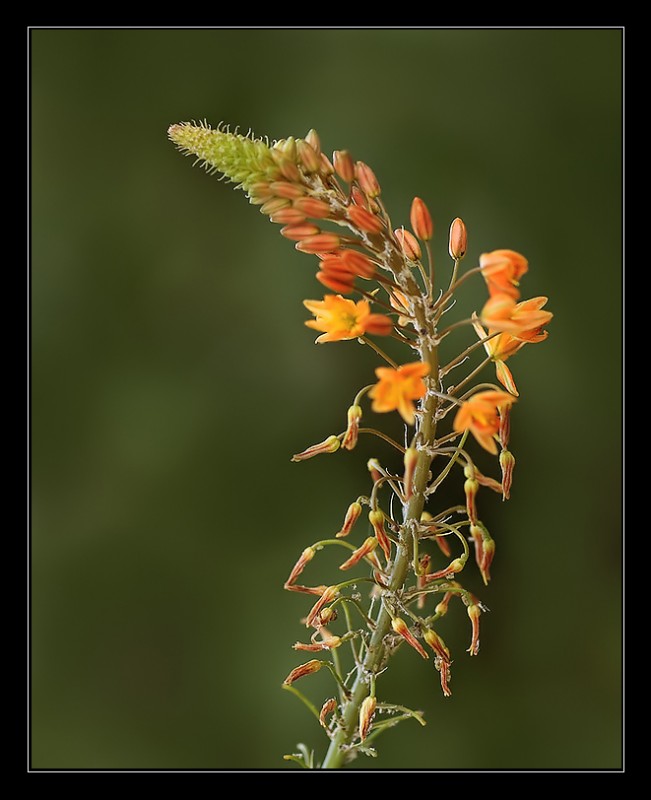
(274, 204)
(284, 148)
(379, 325)
(358, 198)
(408, 244)
(329, 445)
(421, 221)
(344, 165)
(504, 432)
(312, 138)
(474, 612)
(285, 189)
(471, 487)
(298, 232)
(259, 192)
(327, 708)
(326, 165)
(458, 242)
(289, 170)
(411, 461)
(364, 220)
(366, 712)
(288, 216)
(318, 209)
(376, 518)
(327, 597)
(342, 283)
(366, 179)
(357, 555)
(444, 669)
(442, 608)
(358, 263)
(306, 556)
(308, 156)
(400, 627)
(507, 463)
(437, 644)
(484, 549)
(352, 515)
(321, 243)
(350, 437)
(305, 669)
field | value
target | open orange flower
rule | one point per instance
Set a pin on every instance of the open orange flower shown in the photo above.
(523, 320)
(480, 416)
(527, 314)
(398, 388)
(340, 318)
(502, 269)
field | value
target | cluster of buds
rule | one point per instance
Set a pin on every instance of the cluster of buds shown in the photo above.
(409, 553)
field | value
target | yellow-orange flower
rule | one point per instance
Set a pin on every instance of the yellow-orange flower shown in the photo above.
(480, 416)
(523, 320)
(501, 347)
(502, 269)
(340, 318)
(398, 388)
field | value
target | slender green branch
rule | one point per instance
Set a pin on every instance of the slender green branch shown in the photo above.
(379, 351)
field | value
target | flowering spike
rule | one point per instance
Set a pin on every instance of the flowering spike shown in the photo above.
(421, 220)
(458, 242)
(352, 515)
(329, 445)
(352, 430)
(400, 627)
(308, 668)
(366, 712)
(507, 463)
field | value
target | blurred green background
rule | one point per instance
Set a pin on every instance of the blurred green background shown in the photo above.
(173, 378)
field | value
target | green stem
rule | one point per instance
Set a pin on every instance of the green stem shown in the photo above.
(376, 652)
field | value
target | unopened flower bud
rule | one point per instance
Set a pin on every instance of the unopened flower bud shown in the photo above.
(284, 148)
(329, 445)
(312, 138)
(285, 189)
(289, 170)
(308, 156)
(344, 165)
(306, 556)
(400, 627)
(297, 232)
(366, 179)
(326, 169)
(504, 432)
(366, 712)
(274, 204)
(321, 243)
(352, 430)
(408, 244)
(507, 463)
(458, 239)
(311, 207)
(474, 612)
(288, 216)
(437, 644)
(379, 325)
(442, 608)
(259, 192)
(305, 669)
(372, 466)
(421, 221)
(352, 515)
(327, 708)
(471, 487)
(358, 263)
(361, 552)
(376, 518)
(411, 462)
(364, 220)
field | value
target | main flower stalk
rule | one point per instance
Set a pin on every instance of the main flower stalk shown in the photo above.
(384, 286)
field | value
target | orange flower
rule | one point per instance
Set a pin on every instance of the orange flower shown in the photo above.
(502, 269)
(480, 416)
(398, 388)
(523, 320)
(507, 344)
(340, 318)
